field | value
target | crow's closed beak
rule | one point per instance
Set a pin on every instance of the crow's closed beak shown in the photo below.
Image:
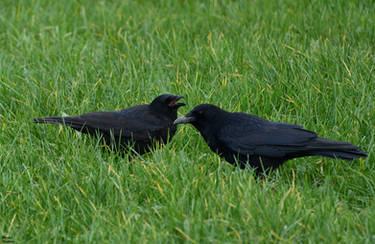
(184, 120)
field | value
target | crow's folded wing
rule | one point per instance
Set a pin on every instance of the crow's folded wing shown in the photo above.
(140, 125)
(267, 139)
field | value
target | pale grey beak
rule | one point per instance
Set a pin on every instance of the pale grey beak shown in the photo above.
(184, 120)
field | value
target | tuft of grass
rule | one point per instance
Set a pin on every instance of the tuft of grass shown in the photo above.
(303, 62)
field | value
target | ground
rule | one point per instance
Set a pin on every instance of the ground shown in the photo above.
(303, 62)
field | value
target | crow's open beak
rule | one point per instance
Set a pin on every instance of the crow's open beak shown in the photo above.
(178, 97)
(175, 104)
(184, 120)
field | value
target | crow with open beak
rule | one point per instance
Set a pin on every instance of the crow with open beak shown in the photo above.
(141, 126)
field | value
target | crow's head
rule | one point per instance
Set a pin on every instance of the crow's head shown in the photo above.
(201, 116)
(167, 103)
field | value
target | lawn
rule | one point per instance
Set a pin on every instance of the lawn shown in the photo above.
(303, 62)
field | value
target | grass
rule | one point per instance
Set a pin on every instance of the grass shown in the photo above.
(303, 62)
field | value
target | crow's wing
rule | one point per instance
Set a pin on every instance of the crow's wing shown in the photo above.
(138, 123)
(265, 138)
(139, 126)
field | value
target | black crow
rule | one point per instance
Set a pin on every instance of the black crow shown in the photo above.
(247, 139)
(141, 125)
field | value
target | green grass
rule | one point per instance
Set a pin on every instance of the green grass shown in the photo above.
(304, 62)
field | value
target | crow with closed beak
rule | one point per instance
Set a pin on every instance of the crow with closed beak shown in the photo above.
(244, 139)
(139, 126)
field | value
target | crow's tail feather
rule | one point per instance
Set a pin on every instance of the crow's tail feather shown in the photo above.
(50, 120)
(72, 121)
(336, 149)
